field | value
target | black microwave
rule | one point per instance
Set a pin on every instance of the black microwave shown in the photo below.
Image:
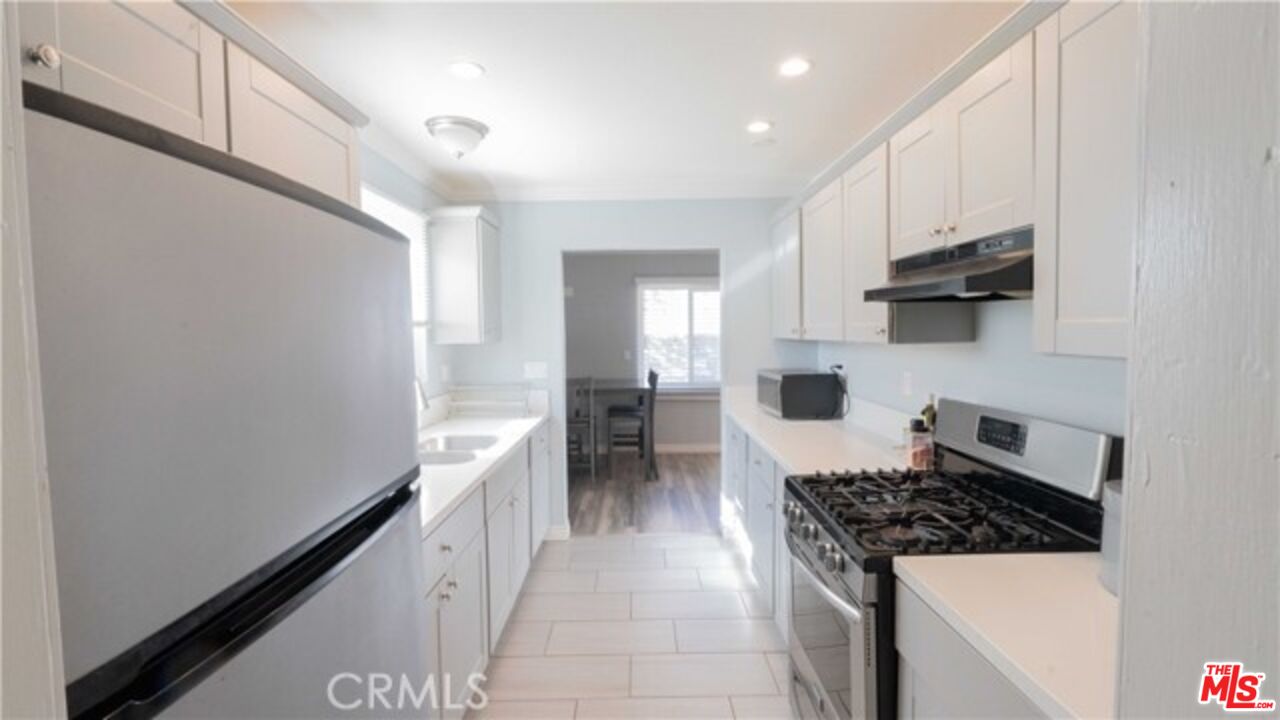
(801, 394)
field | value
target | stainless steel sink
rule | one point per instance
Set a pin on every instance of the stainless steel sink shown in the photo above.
(445, 457)
(448, 443)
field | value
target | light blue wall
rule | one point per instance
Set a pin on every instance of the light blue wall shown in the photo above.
(1000, 370)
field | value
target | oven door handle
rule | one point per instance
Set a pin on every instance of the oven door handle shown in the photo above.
(827, 594)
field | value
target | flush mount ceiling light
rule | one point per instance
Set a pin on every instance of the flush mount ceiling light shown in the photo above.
(466, 69)
(459, 135)
(757, 127)
(794, 67)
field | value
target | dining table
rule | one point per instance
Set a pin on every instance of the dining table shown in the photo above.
(616, 386)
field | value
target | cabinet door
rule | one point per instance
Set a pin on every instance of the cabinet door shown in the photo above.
(918, 185)
(760, 518)
(499, 533)
(990, 188)
(539, 488)
(822, 264)
(1087, 107)
(432, 610)
(785, 277)
(866, 247)
(735, 465)
(490, 281)
(464, 649)
(153, 61)
(277, 126)
(521, 535)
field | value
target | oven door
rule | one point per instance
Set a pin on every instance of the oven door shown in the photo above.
(830, 674)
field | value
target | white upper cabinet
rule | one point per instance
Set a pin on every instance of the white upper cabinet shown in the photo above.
(278, 126)
(822, 264)
(866, 246)
(466, 276)
(964, 169)
(785, 277)
(1088, 93)
(153, 61)
(991, 172)
(918, 172)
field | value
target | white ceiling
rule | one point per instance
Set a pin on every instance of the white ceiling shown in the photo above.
(624, 100)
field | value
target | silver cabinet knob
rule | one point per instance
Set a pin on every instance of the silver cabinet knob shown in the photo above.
(446, 597)
(934, 232)
(881, 331)
(446, 548)
(951, 228)
(46, 56)
(452, 584)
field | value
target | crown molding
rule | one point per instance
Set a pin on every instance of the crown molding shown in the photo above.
(657, 189)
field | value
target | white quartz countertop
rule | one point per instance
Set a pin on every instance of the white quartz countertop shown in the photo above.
(444, 487)
(806, 446)
(1043, 620)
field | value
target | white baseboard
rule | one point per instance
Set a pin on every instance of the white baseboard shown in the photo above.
(687, 448)
(558, 532)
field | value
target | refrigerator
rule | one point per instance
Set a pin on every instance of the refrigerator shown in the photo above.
(227, 394)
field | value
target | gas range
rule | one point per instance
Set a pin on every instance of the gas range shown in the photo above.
(1003, 482)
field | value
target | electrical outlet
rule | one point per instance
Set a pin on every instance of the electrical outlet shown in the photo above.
(568, 291)
(906, 383)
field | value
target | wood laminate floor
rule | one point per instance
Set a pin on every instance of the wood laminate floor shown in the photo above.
(684, 499)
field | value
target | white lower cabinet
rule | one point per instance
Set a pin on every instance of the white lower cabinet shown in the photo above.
(761, 523)
(940, 675)
(539, 486)
(464, 647)
(735, 465)
(509, 538)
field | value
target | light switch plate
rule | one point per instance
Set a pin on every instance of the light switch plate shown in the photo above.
(906, 383)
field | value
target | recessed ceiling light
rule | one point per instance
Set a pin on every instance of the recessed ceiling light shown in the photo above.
(466, 69)
(756, 127)
(794, 67)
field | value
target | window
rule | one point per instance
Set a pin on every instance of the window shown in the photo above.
(679, 330)
(412, 225)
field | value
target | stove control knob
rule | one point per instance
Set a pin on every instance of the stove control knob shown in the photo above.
(832, 559)
(809, 531)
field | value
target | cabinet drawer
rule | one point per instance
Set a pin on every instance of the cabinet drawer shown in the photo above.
(455, 533)
(499, 485)
(759, 464)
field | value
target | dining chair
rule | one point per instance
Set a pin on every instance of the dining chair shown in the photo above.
(580, 425)
(632, 426)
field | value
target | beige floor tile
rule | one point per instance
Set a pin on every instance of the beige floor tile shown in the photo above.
(554, 555)
(523, 638)
(656, 708)
(559, 581)
(647, 580)
(611, 542)
(695, 675)
(525, 710)
(563, 678)
(616, 637)
(728, 636)
(684, 541)
(615, 559)
(696, 558)
(726, 579)
(573, 606)
(780, 664)
(758, 602)
(686, 605)
(769, 707)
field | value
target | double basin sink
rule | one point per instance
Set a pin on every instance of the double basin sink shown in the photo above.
(453, 449)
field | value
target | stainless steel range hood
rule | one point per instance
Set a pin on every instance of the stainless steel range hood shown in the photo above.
(993, 268)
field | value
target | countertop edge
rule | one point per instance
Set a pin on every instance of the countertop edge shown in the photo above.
(1037, 693)
(481, 475)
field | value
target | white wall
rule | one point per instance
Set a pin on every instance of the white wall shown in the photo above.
(1202, 504)
(999, 370)
(534, 236)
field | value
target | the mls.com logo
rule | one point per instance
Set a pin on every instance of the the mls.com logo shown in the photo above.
(1227, 684)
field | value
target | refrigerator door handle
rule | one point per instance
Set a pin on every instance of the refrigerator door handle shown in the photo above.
(208, 647)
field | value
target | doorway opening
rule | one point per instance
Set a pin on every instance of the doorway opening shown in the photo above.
(642, 391)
